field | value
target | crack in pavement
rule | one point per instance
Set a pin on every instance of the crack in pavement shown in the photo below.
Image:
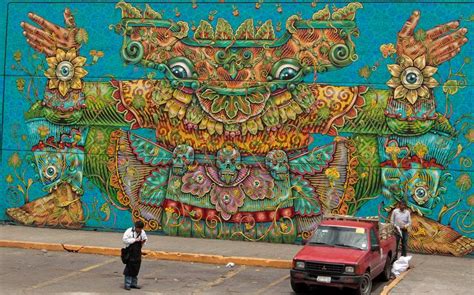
(221, 279)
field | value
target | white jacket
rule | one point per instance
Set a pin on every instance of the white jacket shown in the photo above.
(130, 235)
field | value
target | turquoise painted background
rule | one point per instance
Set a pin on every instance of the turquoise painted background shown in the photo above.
(378, 22)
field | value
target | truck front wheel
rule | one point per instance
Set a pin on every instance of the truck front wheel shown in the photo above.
(299, 288)
(365, 286)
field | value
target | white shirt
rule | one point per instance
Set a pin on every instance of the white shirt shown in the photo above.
(401, 219)
(130, 235)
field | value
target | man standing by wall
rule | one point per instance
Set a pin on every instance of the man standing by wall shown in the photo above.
(133, 238)
(401, 219)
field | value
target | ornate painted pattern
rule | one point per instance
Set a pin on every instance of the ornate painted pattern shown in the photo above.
(222, 129)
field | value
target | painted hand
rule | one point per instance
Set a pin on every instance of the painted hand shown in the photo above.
(439, 44)
(48, 37)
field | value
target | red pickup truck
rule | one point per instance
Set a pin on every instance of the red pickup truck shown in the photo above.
(344, 252)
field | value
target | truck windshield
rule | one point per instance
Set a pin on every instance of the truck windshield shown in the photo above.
(340, 237)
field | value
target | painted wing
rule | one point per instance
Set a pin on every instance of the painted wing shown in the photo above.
(313, 161)
(331, 172)
(140, 172)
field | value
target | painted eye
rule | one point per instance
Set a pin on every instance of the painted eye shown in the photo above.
(412, 78)
(199, 179)
(286, 72)
(65, 71)
(420, 192)
(181, 70)
(226, 199)
(50, 172)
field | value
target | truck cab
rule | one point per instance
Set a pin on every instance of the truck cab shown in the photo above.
(344, 252)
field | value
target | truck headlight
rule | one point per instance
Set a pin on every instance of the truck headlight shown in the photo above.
(299, 264)
(349, 269)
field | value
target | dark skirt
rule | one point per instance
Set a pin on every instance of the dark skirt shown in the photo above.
(133, 265)
(132, 268)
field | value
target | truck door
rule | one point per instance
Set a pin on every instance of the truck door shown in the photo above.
(376, 256)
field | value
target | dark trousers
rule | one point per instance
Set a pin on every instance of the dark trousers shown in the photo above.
(404, 239)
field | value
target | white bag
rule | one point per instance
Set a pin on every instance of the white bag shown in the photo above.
(401, 265)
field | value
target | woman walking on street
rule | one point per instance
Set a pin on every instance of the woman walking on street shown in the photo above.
(133, 238)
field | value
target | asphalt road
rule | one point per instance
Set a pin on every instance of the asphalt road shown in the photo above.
(43, 272)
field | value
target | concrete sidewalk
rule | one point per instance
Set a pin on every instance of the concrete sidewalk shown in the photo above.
(430, 274)
(157, 247)
(155, 242)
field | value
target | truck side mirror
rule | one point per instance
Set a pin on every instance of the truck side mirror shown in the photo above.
(374, 247)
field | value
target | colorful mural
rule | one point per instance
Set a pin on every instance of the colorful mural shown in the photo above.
(245, 121)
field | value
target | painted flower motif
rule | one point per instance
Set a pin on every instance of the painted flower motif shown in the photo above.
(412, 79)
(14, 161)
(387, 50)
(464, 182)
(9, 178)
(169, 210)
(43, 131)
(17, 56)
(451, 87)
(332, 174)
(65, 71)
(20, 84)
(365, 72)
(227, 200)
(470, 201)
(420, 150)
(196, 183)
(469, 135)
(96, 54)
(259, 185)
(174, 186)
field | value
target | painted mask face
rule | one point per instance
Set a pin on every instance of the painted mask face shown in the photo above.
(55, 166)
(422, 189)
(228, 163)
(183, 156)
(50, 166)
(277, 163)
(425, 188)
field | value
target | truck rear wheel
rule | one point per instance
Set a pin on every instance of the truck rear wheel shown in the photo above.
(299, 288)
(365, 286)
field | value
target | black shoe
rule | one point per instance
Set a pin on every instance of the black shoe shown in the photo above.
(127, 288)
(135, 287)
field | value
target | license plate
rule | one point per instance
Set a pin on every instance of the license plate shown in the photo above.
(322, 279)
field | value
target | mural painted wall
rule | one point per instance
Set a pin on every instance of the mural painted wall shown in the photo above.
(239, 120)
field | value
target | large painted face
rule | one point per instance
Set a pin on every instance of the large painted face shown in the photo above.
(183, 156)
(233, 71)
(228, 163)
(228, 60)
(277, 163)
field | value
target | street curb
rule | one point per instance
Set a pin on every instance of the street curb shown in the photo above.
(152, 254)
(386, 290)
